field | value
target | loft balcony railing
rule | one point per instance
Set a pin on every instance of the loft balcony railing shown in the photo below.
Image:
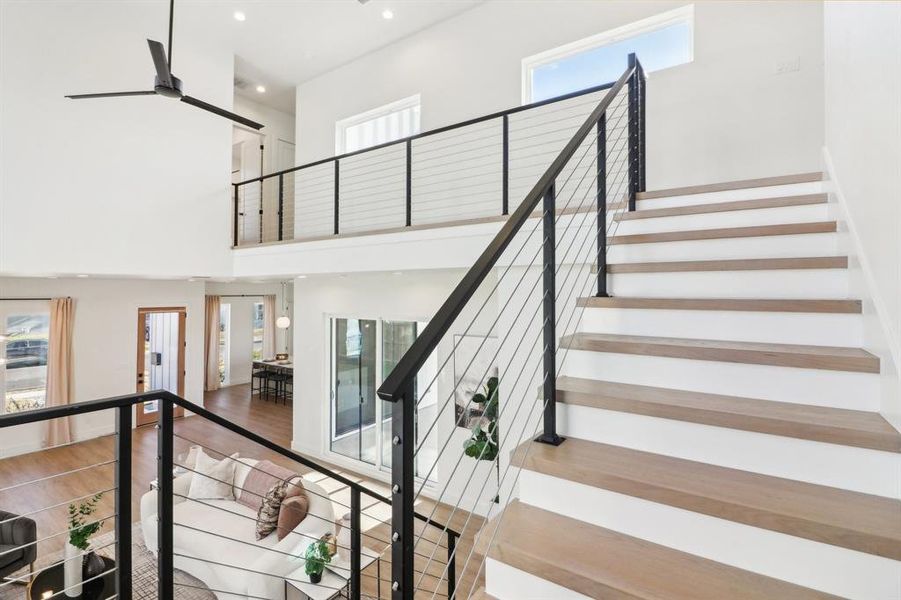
(468, 172)
(43, 500)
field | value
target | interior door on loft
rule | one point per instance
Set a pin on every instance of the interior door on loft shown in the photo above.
(160, 357)
(247, 163)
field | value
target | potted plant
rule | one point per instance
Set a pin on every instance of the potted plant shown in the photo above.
(483, 443)
(80, 560)
(316, 556)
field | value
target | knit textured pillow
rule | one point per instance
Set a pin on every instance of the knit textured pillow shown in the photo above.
(267, 516)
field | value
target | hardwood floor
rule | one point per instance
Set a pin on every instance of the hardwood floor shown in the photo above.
(90, 470)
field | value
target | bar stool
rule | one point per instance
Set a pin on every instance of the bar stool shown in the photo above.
(279, 380)
(259, 376)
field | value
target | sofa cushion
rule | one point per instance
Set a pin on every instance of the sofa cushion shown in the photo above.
(213, 479)
(259, 481)
(293, 511)
(9, 554)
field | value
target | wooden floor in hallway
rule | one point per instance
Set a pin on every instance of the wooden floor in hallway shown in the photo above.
(89, 468)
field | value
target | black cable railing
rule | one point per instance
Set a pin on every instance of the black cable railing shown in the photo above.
(521, 298)
(415, 181)
(167, 497)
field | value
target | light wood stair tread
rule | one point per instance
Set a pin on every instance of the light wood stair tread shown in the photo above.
(730, 304)
(862, 522)
(733, 264)
(833, 358)
(724, 186)
(602, 563)
(716, 207)
(724, 233)
(856, 428)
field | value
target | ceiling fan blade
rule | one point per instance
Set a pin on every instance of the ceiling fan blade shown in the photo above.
(158, 53)
(221, 112)
(111, 95)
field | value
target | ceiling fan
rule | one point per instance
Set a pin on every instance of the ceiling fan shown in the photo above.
(168, 85)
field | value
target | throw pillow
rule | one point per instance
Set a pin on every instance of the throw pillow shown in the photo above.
(212, 479)
(267, 516)
(293, 512)
(259, 481)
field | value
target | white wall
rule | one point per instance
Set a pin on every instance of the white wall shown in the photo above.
(105, 342)
(241, 322)
(111, 186)
(278, 126)
(863, 155)
(726, 115)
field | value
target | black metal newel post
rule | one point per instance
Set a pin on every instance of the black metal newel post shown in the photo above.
(633, 167)
(506, 169)
(123, 502)
(642, 126)
(602, 205)
(409, 182)
(402, 535)
(337, 175)
(235, 220)
(281, 206)
(355, 547)
(549, 279)
(164, 500)
(451, 565)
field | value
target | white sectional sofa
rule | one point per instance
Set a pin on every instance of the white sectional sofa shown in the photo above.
(214, 540)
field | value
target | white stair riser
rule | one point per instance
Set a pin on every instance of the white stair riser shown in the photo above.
(777, 283)
(819, 329)
(774, 191)
(509, 583)
(857, 469)
(808, 213)
(818, 387)
(773, 246)
(828, 568)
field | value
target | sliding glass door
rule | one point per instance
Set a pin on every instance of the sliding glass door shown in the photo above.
(364, 352)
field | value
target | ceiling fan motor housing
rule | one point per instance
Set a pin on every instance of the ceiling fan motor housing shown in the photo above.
(170, 92)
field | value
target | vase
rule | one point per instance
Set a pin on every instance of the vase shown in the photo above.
(92, 566)
(316, 577)
(72, 571)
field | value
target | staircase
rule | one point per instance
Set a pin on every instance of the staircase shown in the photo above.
(723, 439)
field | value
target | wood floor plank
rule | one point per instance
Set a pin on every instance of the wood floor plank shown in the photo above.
(601, 563)
(740, 264)
(724, 233)
(716, 207)
(731, 185)
(729, 304)
(856, 428)
(862, 522)
(831, 358)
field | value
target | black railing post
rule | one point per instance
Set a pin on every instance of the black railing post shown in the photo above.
(505, 193)
(281, 206)
(549, 288)
(602, 205)
(402, 535)
(633, 168)
(164, 500)
(337, 175)
(123, 502)
(235, 219)
(355, 547)
(409, 182)
(642, 126)
(451, 565)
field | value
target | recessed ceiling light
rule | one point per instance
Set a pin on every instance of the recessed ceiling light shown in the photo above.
(239, 16)
(387, 14)
(81, 276)
(397, 273)
(261, 89)
(301, 276)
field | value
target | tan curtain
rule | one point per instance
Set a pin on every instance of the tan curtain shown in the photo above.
(60, 372)
(211, 344)
(269, 317)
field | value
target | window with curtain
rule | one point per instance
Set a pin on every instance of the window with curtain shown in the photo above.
(23, 357)
(224, 342)
(662, 41)
(378, 126)
(257, 349)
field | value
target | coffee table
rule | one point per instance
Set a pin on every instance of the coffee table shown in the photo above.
(51, 579)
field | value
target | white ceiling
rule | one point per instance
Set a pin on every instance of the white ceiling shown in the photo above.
(285, 42)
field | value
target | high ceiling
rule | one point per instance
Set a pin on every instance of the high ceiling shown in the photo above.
(285, 42)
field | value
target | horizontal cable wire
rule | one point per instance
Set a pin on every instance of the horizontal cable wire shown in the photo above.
(52, 506)
(53, 535)
(49, 477)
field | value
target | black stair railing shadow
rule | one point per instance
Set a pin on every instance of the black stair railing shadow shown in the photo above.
(116, 580)
(601, 167)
